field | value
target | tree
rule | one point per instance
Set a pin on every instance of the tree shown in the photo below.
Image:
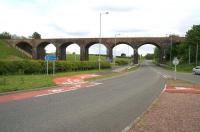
(36, 35)
(149, 56)
(193, 35)
(5, 35)
(157, 54)
(192, 39)
(123, 55)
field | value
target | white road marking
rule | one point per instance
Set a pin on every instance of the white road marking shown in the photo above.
(76, 87)
(182, 88)
(164, 89)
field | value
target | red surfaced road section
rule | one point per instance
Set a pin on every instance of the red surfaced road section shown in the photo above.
(73, 79)
(65, 84)
(182, 89)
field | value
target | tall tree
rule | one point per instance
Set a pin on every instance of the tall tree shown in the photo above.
(192, 39)
(36, 35)
(193, 35)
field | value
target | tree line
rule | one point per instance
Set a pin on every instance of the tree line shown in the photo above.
(187, 51)
(7, 35)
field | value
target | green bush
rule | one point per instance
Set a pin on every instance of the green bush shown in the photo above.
(122, 62)
(39, 67)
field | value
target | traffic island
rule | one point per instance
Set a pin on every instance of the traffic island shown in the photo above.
(175, 111)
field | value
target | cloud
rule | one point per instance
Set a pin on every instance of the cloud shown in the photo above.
(114, 8)
(130, 30)
(63, 30)
(78, 18)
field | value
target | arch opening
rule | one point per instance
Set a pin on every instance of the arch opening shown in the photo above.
(73, 52)
(122, 52)
(94, 50)
(45, 48)
(150, 52)
(25, 47)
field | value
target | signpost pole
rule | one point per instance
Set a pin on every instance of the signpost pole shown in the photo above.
(175, 62)
(53, 58)
(47, 68)
(175, 72)
(53, 68)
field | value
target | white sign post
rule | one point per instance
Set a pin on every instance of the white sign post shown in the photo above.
(175, 62)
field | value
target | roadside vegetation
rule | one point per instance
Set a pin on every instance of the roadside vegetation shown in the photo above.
(186, 52)
(18, 72)
(9, 53)
(10, 83)
(120, 60)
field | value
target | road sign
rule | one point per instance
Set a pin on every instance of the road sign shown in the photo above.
(175, 61)
(52, 58)
(48, 57)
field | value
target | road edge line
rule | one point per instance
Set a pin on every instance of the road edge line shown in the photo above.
(127, 128)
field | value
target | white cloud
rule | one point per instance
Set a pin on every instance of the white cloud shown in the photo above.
(78, 18)
(122, 48)
(146, 49)
(94, 49)
(73, 48)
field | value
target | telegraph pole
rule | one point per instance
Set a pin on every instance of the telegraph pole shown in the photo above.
(197, 54)
(189, 55)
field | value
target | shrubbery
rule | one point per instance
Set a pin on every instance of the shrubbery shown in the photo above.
(39, 67)
(122, 62)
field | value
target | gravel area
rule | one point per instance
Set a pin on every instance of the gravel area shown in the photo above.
(172, 112)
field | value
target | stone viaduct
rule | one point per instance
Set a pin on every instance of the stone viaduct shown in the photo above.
(36, 47)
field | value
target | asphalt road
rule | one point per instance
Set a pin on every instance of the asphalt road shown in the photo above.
(171, 74)
(108, 107)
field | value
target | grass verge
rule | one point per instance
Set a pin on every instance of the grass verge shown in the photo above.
(28, 82)
(187, 68)
(11, 83)
(113, 74)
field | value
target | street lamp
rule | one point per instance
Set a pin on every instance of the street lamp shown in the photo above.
(100, 39)
(115, 49)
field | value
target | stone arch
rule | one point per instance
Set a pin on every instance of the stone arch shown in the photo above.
(127, 51)
(25, 46)
(158, 45)
(152, 43)
(118, 44)
(89, 45)
(63, 47)
(41, 49)
(121, 42)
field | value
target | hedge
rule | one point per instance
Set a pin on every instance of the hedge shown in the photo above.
(39, 67)
(122, 62)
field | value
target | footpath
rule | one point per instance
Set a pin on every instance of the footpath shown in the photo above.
(176, 110)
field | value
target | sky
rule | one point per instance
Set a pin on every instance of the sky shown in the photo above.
(81, 18)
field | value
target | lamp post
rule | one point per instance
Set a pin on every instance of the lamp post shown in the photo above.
(115, 49)
(189, 55)
(197, 53)
(99, 60)
(171, 50)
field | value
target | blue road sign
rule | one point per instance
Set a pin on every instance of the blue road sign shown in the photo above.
(47, 57)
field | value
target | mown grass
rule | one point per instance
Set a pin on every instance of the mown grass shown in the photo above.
(92, 57)
(113, 74)
(26, 82)
(182, 67)
(9, 53)
(10, 83)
